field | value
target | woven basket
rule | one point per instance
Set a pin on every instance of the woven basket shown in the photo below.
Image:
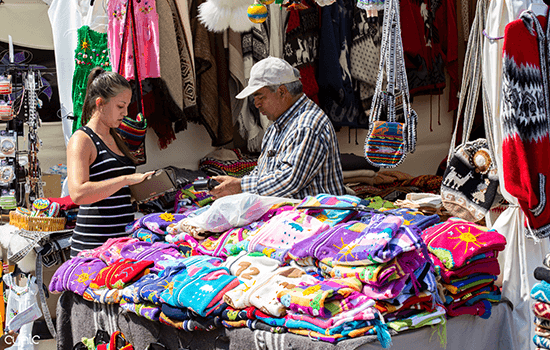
(31, 223)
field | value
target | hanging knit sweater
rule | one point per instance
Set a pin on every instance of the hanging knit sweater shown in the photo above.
(525, 110)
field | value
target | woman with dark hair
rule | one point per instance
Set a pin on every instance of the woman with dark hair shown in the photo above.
(100, 168)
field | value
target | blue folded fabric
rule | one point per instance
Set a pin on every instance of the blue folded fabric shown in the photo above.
(178, 313)
(541, 342)
(541, 292)
(153, 288)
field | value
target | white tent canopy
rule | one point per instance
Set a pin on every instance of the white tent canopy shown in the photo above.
(27, 22)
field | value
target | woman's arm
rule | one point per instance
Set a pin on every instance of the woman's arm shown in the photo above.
(80, 154)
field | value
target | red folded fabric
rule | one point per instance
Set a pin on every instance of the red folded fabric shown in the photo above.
(120, 273)
(483, 266)
(65, 203)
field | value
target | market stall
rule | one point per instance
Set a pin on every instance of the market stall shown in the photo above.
(423, 259)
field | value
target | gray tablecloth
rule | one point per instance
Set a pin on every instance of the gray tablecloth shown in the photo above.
(77, 318)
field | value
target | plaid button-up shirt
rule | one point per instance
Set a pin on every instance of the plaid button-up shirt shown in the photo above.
(300, 156)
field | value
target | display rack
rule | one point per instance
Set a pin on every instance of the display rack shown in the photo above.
(20, 173)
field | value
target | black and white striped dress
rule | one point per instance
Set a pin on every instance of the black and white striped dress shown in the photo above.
(98, 222)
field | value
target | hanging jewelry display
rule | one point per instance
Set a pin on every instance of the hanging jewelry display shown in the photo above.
(33, 184)
(22, 174)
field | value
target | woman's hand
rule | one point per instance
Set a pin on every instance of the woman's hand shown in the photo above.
(228, 186)
(138, 177)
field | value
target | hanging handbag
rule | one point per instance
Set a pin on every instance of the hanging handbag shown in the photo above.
(6, 112)
(389, 140)
(470, 181)
(132, 131)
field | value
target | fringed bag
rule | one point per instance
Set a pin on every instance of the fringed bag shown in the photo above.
(389, 141)
(470, 182)
(133, 131)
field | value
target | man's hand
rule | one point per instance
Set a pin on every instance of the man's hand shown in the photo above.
(228, 186)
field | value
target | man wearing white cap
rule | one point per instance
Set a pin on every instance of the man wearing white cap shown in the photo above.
(300, 155)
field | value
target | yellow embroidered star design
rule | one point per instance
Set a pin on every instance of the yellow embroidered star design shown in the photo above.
(467, 237)
(348, 251)
(268, 251)
(84, 276)
(170, 287)
(167, 217)
(343, 244)
(247, 287)
(85, 45)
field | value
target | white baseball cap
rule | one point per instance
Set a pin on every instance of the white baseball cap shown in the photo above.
(267, 72)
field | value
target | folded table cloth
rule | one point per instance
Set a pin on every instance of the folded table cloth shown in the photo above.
(277, 236)
(325, 298)
(455, 241)
(331, 216)
(76, 274)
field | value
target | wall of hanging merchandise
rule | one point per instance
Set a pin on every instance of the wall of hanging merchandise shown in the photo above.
(20, 173)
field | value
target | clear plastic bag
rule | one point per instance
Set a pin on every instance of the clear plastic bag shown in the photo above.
(232, 211)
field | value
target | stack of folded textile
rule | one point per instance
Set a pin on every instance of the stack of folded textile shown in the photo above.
(378, 263)
(465, 255)
(541, 307)
(227, 162)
